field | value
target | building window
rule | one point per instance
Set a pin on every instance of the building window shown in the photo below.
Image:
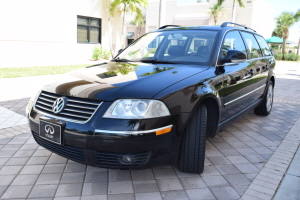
(88, 30)
(129, 41)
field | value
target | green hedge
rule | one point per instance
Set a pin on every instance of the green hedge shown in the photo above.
(287, 56)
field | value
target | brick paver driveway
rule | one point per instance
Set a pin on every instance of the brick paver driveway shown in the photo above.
(235, 164)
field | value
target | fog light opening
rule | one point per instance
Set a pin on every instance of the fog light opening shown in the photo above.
(127, 160)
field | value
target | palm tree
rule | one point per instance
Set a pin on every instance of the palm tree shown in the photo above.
(276, 32)
(283, 23)
(216, 11)
(240, 2)
(139, 22)
(135, 6)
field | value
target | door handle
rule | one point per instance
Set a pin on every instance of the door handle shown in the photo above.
(248, 75)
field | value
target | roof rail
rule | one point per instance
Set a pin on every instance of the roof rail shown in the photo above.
(226, 23)
(165, 26)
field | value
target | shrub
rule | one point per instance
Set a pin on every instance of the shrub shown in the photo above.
(292, 57)
(287, 56)
(101, 53)
(278, 56)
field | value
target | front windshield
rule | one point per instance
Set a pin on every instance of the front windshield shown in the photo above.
(180, 46)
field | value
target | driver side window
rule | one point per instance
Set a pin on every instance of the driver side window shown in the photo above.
(232, 41)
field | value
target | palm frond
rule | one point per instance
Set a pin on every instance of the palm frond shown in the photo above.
(113, 5)
(241, 4)
(297, 15)
(220, 2)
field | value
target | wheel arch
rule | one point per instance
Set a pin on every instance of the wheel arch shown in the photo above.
(213, 115)
(212, 104)
(273, 80)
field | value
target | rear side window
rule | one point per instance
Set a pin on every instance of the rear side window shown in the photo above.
(263, 45)
(232, 41)
(252, 45)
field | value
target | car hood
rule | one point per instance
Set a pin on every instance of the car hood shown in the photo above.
(112, 80)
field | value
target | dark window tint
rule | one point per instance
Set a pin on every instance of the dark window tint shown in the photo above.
(88, 30)
(252, 45)
(263, 45)
(232, 41)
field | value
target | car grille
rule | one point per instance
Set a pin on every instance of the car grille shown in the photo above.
(112, 160)
(69, 152)
(76, 109)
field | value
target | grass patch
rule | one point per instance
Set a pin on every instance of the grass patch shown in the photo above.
(37, 71)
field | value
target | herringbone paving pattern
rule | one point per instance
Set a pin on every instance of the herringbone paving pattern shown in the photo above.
(235, 160)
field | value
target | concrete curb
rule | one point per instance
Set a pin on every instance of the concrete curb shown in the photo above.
(265, 184)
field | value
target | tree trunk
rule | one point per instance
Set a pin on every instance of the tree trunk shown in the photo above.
(159, 13)
(283, 47)
(233, 11)
(215, 19)
(298, 50)
(123, 27)
(109, 39)
(139, 32)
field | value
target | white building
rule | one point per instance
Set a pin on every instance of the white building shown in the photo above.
(256, 14)
(49, 32)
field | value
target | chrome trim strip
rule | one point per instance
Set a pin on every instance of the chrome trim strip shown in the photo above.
(46, 99)
(132, 132)
(82, 102)
(65, 119)
(244, 95)
(76, 101)
(43, 108)
(72, 105)
(47, 95)
(46, 104)
(77, 111)
(78, 116)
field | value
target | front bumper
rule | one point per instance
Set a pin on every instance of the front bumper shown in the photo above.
(102, 148)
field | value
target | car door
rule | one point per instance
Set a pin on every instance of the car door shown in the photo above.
(236, 93)
(259, 66)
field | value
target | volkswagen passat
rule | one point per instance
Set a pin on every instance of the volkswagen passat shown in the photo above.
(158, 100)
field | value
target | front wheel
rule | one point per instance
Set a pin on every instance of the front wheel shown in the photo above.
(192, 149)
(266, 104)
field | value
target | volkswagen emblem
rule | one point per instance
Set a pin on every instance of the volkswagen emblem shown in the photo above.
(59, 105)
(49, 129)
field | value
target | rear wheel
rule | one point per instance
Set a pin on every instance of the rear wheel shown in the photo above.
(266, 104)
(192, 149)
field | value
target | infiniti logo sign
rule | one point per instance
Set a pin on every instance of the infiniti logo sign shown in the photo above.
(49, 129)
(58, 105)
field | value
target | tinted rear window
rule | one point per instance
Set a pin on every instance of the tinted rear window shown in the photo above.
(252, 45)
(263, 45)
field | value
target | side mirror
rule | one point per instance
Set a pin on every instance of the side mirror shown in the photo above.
(120, 50)
(234, 56)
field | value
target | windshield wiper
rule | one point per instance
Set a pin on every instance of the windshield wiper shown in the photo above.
(118, 59)
(154, 61)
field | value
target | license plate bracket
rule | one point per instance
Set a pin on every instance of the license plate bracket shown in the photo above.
(51, 131)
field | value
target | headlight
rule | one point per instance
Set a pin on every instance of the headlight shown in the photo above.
(136, 109)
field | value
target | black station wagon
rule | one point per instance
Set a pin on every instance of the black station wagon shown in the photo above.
(158, 100)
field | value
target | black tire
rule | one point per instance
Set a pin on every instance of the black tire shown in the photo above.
(192, 149)
(266, 104)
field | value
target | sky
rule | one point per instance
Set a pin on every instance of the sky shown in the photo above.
(280, 6)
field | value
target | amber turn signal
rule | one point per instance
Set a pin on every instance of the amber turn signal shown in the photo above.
(163, 131)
